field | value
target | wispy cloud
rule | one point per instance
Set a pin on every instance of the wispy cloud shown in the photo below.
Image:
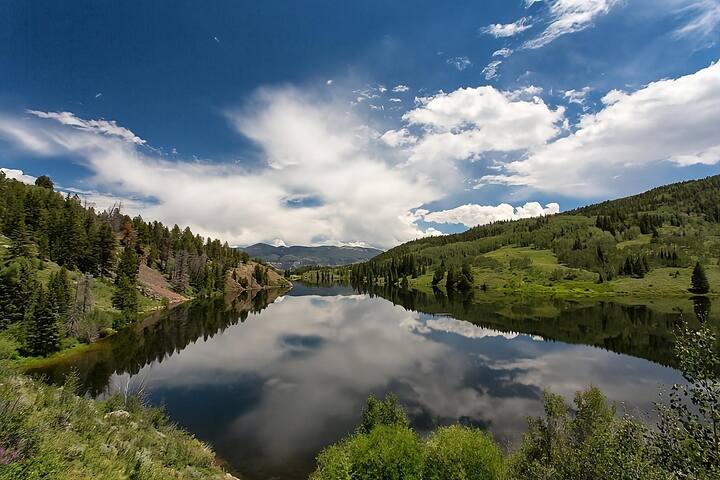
(503, 52)
(502, 30)
(569, 16)
(104, 127)
(559, 17)
(461, 63)
(704, 18)
(400, 88)
(490, 70)
(577, 96)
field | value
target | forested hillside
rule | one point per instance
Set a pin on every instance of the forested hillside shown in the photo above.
(668, 237)
(69, 273)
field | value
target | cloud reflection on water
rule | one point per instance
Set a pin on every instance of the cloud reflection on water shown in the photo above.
(271, 392)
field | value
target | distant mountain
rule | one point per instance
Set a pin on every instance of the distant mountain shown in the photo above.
(299, 256)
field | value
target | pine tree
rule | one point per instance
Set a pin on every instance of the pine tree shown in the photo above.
(106, 249)
(43, 331)
(125, 299)
(59, 295)
(128, 266)
(17, 290)
(180, 276)
(81, 304)
(44, 182)
(467, 272)
(20, 242)
(699, 281)
(438, 275)
(72, 238)
(450, 281)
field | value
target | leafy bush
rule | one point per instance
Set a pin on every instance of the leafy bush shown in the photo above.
(687, 441)
(333, 463)
(387, 452)
(93, 323)
(8, 347)
(589, 443)
(386, 412)
(459, 453)
(488, 262)
(520, 263)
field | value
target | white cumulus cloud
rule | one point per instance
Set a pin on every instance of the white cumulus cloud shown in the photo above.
(672, 121)
(398, 138)
(312, 149)
(18, 175)
(470, 121)
(471, 214)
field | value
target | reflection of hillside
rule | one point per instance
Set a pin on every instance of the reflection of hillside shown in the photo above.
(156, 338)
(630, 329)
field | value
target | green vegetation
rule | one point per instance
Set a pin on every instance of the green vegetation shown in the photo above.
(319, 275)
(585, 442)
(384, 446)
(699, 282)
(159, 335)
(69, 274)
(611, 248)
(49, 432)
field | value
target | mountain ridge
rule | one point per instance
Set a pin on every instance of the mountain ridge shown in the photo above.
(298, 256)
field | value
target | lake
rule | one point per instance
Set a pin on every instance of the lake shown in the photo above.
(269, 380)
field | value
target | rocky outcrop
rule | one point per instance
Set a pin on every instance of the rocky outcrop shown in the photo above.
(244, 278)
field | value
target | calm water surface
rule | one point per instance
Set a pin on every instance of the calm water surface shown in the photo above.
(270, 380)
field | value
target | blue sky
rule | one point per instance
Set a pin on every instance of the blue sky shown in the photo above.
(325, 122)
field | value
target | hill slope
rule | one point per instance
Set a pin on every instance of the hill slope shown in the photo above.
(299, 256)
(643, 244)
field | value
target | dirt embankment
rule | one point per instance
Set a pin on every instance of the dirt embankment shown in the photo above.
(243, 278)
(154, 285)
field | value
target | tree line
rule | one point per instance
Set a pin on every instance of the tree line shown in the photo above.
(43, 225)
(677, 222)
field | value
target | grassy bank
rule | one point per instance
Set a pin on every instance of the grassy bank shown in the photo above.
(49, 432)
(526, 271)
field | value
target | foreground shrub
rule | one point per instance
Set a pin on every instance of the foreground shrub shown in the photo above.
(687, 441)
(589, 443)
(8, 347)
(382, 412)
(462, 453)
(387, 452)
